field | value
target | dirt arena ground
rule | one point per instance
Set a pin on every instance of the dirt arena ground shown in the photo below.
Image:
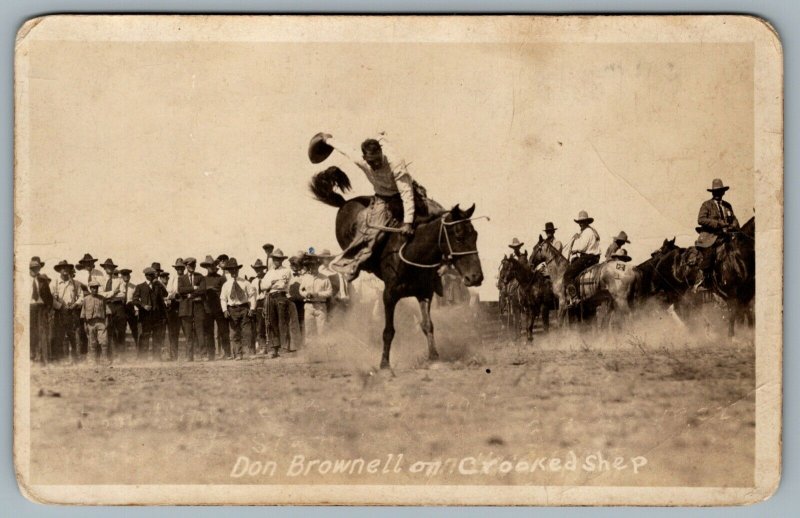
(676, 406)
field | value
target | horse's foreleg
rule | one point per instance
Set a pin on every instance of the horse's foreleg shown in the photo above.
(388, 329)
(531, 313)
(733, 314)
(427, 327)
(545, 309)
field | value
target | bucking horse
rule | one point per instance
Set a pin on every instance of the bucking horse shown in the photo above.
(408, 267)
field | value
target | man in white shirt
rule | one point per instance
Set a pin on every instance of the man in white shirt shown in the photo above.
(387, 171)
(238, 302)
(173, 304)
(67, 300)
(111, 290)
(276, 282)
(583, 252)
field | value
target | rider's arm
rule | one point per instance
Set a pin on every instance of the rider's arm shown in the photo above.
(406, 189)
(351, 153)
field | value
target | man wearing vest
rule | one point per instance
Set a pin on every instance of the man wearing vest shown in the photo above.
(583, 252)
(67, 300)
(276, 309)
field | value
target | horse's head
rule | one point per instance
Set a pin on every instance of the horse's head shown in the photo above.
(666, 246)
(540, 252)
(462, 243)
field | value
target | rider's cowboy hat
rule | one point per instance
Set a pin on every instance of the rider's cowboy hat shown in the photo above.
(258, 265)
(622, 236)
(109, 263)
(717, 185)
(621, 255)
(318, 150)
(208, 261)
(278, 254)
(583, 216)
(179, 263)
(549, 227)
(232, 264)
(63, 264)
(87, 259)
(515, 243)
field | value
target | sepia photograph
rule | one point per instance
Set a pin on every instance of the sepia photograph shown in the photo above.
(398, 260)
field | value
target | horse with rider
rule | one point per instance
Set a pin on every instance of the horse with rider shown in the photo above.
(398, 234)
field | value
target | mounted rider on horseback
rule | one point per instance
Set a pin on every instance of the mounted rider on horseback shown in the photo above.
(397, 197)
(583, 252)
(715, 221)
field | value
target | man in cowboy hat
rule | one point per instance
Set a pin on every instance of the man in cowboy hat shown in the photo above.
(131, 313)
(86, 271)
(93, 313)
(315, 289)
(191, 308)
(583, 252)
(41, 301)
(276, 310)
(618, 242)
(515, 247)
(387, 171)
(714, 220)
(149, 299)
(214, 313)
(67, 300)
(173, 306)
(111, 290)
(238, 302)
(550, 233)
(259, 334)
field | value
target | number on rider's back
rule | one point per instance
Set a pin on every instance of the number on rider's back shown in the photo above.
(621, 266)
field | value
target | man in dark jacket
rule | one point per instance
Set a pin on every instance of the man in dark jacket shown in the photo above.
(214, 314)
(148, 298)
(191, 309)
(41, 302)
(715, 219)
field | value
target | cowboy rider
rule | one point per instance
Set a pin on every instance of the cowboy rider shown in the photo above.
(714, 220)
(616, 244)
(516, 245)
(583, 252)
(550, 232)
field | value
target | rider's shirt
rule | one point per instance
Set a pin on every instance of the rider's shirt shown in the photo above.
(587, 242)
(390, 179)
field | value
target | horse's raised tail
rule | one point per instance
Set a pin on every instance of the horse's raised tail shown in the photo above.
(324, 183)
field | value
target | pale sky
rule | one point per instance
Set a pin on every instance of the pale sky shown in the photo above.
(151, 151)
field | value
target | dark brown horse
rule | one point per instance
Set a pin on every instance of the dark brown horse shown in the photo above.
(534, 293)
(407, 267)
(509, 299)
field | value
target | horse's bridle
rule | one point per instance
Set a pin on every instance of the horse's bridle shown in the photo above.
(450, 253)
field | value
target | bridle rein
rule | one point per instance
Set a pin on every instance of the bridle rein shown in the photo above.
(446, 255)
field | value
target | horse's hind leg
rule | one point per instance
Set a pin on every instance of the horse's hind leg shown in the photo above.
(388, 329)
(427, 327)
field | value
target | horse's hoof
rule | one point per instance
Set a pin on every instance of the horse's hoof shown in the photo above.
(384, 364)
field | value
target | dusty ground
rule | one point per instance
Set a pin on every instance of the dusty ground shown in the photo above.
(684, 401)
